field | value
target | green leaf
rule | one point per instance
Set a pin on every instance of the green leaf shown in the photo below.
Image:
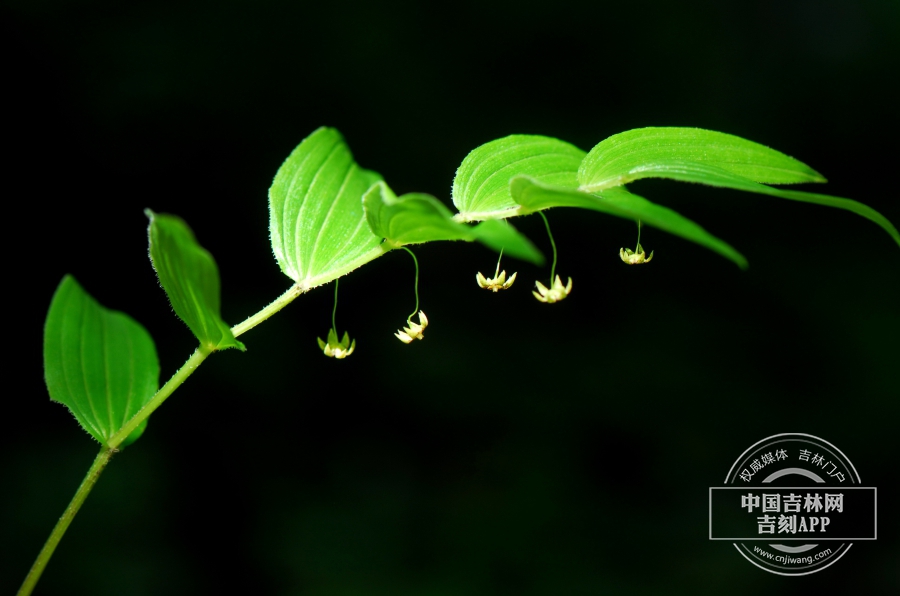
(99, 363)
(533, 196)
(188, 274)
(481, 185)
(410, 219)
(714, 176)
(499, 235)
(316, 220)
(414, 218)
(645, 152)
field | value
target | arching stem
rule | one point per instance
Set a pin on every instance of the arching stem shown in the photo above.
(334, 311)
(416, 261)
(552, 243)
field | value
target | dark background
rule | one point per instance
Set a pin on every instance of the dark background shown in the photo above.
(522, 448)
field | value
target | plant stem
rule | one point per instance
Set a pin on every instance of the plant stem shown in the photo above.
(334, 311)
(416, 261)
(552, 243)
(196, 359)
(268, 311)
(68, 515)
(165, 391)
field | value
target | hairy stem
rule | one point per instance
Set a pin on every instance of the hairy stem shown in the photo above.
(279, 303)
(196, 359)
(165, 391)
(62, 525)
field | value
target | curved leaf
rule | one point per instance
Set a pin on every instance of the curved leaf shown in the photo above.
(414, 218)
(533, 196)
(410, 219)
(316, 221)
(188, 274)
(713, 176)
(481, 185)
(99, 363)
(622, 158)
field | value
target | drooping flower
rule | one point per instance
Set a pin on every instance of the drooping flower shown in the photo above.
(555, 293)
(414, 331)
(635, 257)
(337, 349)
(498, 282)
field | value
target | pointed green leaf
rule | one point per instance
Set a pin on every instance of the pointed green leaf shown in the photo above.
(99, 363)
(533, 196)
(414, 218)
(500, 235)
(410, 219)
(188, 274)
(316, 221)
(630, 155)
(714, 176)
(481, 185)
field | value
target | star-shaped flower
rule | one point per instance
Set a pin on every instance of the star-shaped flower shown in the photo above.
(414, 331)
(635, 257)
(555, 293)
(498, 282)
(337, 349)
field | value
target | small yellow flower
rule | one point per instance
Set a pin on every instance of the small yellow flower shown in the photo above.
(337, 349)
(635, 257)
(498, 282)
(555, 293)
(414, 331)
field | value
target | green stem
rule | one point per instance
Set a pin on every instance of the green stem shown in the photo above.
(68, 515)
(165, 391)
(196, 359)
(268, 311)
(334, 311)
(552, 243)
(638, 247)
(416, 261)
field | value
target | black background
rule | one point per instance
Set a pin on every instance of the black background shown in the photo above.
(521, 448)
